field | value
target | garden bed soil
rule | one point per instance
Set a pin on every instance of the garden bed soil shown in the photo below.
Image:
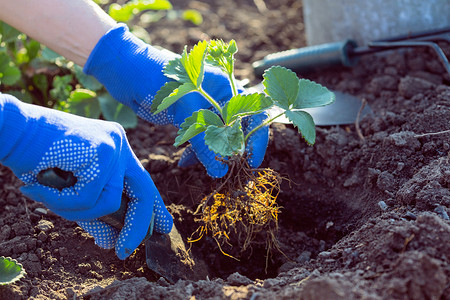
(364, 216)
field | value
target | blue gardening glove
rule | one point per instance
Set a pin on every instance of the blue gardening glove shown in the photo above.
(132, 71)
(34, 139)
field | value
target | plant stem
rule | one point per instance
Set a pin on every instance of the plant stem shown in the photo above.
(210, 99)
(267, 122)
(231, 76)
(233, 83)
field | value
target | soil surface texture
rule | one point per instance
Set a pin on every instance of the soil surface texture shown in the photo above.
(365, 211)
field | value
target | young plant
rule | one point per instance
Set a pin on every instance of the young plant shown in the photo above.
(244, 204)
(10, 270)
(223, 130)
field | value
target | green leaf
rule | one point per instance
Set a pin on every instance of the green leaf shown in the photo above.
(88, 81)
(23, 95)
(33, 48)
(112, 110)
(61, 87)
(225, 140)
(10, 270)
(304, 123)
(50, 55)
(194, 62)
(120, 13)
(192, 15)
(150, 4)
(123, 13)
(101, 2)
(8, 33)
(282, 85)
(164, 92)
(312, 94)
(241, 105)
(175, 95)
(195, 124)
(84, 103)
(9, 73)
(21, 56)
(175, 70)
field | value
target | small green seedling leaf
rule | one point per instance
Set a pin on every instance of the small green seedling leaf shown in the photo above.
(304, 123)
(175, 95)
(282, 85)
(312, 94)
(176, 71)
(194, 62)
(225, 140)
(10, 270)
(195, 124)
(241, 105)
(164, 92)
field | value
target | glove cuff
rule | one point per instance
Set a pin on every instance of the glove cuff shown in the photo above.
(130, 69)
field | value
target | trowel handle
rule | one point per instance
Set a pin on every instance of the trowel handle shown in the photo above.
(117, 218)
(308, 58)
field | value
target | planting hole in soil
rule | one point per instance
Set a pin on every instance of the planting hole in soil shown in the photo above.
(361, 214)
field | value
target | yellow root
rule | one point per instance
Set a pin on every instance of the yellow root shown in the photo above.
(242, 211)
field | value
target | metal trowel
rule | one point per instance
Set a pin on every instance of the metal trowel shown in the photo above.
(166, 254)
(344, 110)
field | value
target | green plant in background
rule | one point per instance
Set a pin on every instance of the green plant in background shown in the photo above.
(223, 131)
(128, 11)
(124, 13)
(36, 74)
(10, 270)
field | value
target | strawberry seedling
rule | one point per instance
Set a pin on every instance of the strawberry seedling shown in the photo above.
(245, 201)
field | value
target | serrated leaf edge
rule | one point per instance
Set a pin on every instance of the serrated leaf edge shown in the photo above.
(19, 276)
(299, 129)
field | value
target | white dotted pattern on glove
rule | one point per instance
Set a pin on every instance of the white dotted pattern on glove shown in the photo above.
(108, 237)
(248, 124)
(105, 235)
(163, 222)
(162, 118)
(71, 156)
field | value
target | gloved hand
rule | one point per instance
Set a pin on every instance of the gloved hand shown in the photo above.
(34, 139)
(132, 71)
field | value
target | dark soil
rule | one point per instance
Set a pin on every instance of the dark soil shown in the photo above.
(364, 216)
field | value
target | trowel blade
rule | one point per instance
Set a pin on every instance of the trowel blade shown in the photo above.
(166, 254)
(344, 110)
